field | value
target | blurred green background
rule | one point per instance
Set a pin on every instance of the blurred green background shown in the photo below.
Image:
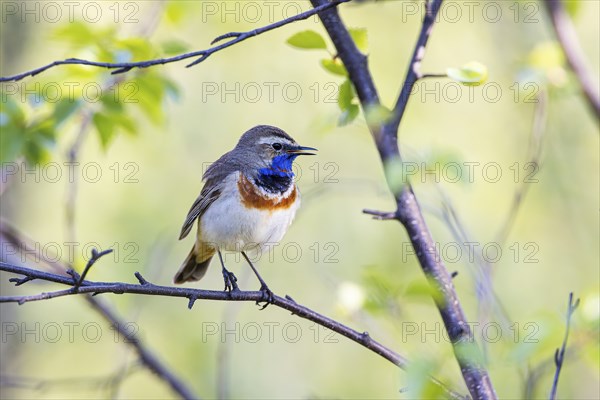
(143, 148)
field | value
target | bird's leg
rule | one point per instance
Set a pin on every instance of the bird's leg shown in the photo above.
(228, 277)
(267, 293)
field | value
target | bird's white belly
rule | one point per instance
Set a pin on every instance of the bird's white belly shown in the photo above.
(229, 225)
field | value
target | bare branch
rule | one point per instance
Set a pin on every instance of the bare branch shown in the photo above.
(413, 72)
(567, 37)
(200, 55)
(408, 210)
(559, 355)
(95, 257)
(534, 154)
(148, 359)
(151, 289)
(110, 382)
(381, 215)
(425, 76)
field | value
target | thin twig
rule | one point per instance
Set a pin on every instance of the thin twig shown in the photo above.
(73, 184)
(413, 72)
(559, 355)
(156, 290)
(200, 55)
(425, 76)
(408, 210)
(95, 257)
(109, 382)
(567, 37)
(534, 154)
(488, 302)
(381, 215)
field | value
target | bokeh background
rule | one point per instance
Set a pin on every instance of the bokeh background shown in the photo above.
(142, 149)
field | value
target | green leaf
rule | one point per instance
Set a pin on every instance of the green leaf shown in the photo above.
(419, 289)
(76, 33)
(348, 115)
(307, 40)
(12, 110)
(106, 128)
(39, 138)
(345, 95)
(419, 375)
(470, 74)
(12, 127)
(377, 115)
(359, 35)
(35, 152)
(43, 130)
(140, 48)
(152, 88)
(111, 100)
(395, 174)
(63, 109)
(79, 34)
(334, 66)
(125, 122)
(12, 141)
(174, 47)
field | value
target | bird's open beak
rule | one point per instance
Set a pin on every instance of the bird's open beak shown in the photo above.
(300, 150)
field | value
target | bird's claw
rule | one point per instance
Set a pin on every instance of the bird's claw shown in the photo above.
(230, 281)
(268, 297)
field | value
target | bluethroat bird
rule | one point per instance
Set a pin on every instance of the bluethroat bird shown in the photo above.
(249, 199)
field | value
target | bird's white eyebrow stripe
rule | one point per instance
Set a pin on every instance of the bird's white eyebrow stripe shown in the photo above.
(269, 139)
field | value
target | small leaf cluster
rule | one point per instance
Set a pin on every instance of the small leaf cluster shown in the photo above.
(33, 119)
(347, 99)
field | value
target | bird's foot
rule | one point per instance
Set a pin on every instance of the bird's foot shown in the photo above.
(230, 281)
(268, 297)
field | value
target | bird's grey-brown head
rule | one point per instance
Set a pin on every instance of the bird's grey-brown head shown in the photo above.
(269, 152)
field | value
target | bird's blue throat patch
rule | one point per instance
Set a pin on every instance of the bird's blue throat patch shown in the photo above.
(279, 176)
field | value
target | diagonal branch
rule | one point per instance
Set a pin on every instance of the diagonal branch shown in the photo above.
(147, 357)
(200, 55)
(408, 211)
(567, 37)
(413, 73)
(146, 288)
(534, 155)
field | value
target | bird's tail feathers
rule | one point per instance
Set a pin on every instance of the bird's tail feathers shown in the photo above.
(194, 267)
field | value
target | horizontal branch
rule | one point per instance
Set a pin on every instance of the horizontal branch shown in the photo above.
(200, 55)
(146, 288)
(146, 355)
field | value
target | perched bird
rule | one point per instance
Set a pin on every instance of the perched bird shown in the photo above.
(249, 199)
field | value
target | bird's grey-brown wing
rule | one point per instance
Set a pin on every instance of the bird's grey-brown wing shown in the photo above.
(207, 196)
(214, 176)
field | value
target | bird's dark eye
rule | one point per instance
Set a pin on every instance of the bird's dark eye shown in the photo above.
(277, 146)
